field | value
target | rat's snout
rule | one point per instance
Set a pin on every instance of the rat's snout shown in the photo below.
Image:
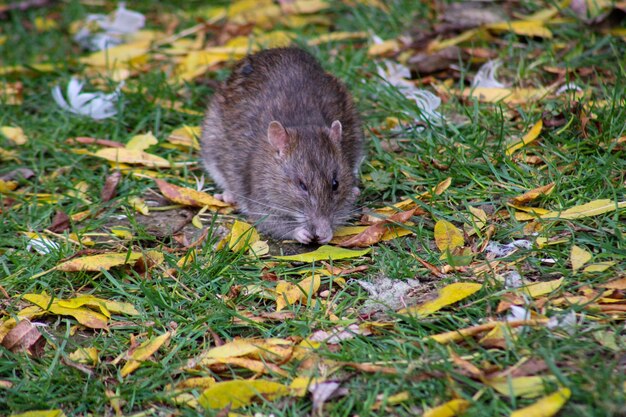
(322, 231)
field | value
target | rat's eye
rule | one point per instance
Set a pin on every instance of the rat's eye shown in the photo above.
(335, 184)
(302, 185)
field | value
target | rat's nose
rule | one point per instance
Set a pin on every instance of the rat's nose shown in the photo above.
(323, 233)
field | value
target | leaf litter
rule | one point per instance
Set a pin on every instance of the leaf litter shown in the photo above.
(457, 268)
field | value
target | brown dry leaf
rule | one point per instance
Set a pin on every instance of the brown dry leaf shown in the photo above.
(23, 337)
(109, 190)
(143, 352)
(376, 232)
(593, 208)
(533, 194)
(447, 236)
(529, 137)
(449, 294)
(94, 141)
(545, 407)
(188, 196)
(132, 156)
(618, 284)
(240, 393)
(95, 263)
(450, 409)
(288, 293)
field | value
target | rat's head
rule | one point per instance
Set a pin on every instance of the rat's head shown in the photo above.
(317, 185)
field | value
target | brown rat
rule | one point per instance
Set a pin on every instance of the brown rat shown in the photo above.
(283, 139)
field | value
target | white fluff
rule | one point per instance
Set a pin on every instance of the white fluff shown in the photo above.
(95, 105)
(486, 75)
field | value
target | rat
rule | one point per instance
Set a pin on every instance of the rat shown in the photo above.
(283, 139)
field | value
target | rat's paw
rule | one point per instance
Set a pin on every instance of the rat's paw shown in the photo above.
(302, 235)
(227, 197)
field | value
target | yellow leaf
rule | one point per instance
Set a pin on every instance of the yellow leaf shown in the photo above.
(388, 46)
(269, 349)
(533, 194)
(532, 134)
(599, 266)
(240, 393)
(186, 136)
(300, 384)
(545, 407)
(336, 36)
(450, 409)
(304, 6)
(506, 95)
(132, 156)
(579, 257)
(259, 248)
(41, 413)
(447, 295)
(541, 288)
(188, 196)
(447, 237)
(105, 306)
(84, 316)
(122, 232)
(535, 28)
(110, 57)
(523, 386)
(139, 205)
(7, 186)
(88, 356)
(43, 24)
(479, 217)
(438, 45)
(141, 142)
(97, 262)
(242, 235)
(593, 208)
(288, 293)
(143, 352)
(324, 253)
(14, 134)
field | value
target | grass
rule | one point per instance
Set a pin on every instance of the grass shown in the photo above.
(582, 158)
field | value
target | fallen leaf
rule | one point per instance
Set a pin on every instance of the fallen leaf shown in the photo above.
(618, 284)
(450, 409)
(288, 293)
(109, 190)
(593, 208)
(188, 196)
(186, 136)
(534, 28)
(131, 156)
(541, 288)
(95, 263)
(86, 356)
(447, 236)
(141, 142)
(143, 352)
(22, 337)
(242, 235)
(15, 134)
(533, 194)
(579, 257)
(545, 407)
(325, 253)
(529, 137)
(240, 393)
(447, 295)
(84, 316)
(117, 55)
(599, 266)
(375, 233)
(139, 205)
(41, 413)
(523, 386)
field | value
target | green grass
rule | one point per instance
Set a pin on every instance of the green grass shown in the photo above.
(583, 162)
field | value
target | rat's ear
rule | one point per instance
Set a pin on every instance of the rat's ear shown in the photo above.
(277, 135)
(335, 131)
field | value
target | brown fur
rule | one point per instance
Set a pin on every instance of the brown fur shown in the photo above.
(289, 86)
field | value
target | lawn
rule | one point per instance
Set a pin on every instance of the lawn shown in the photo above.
(484, 273)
